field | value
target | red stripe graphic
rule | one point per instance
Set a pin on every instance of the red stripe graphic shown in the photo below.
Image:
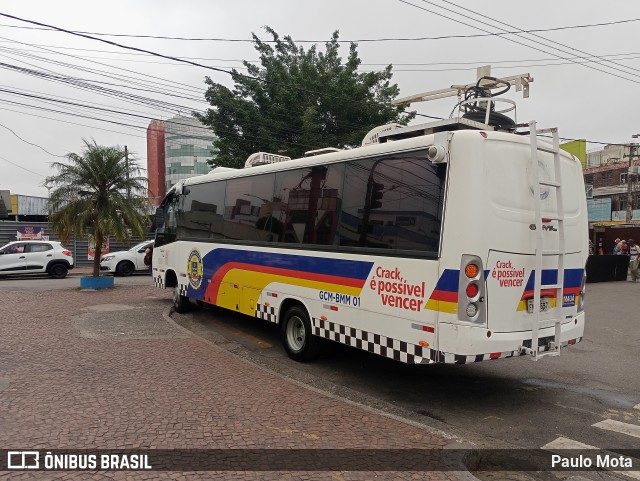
(212, 290)
(447, 296)
(551, 293)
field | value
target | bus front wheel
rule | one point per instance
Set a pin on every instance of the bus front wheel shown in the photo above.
(180, 302)
(297, 336)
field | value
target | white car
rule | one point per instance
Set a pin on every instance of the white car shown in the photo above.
(125, 263)
(35, 256)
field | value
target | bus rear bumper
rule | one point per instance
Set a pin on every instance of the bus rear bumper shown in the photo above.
(460, 344)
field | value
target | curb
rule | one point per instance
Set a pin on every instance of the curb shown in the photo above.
(462, 458)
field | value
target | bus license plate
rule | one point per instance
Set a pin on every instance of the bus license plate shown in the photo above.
(544, 304)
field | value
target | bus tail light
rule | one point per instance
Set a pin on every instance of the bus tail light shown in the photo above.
(471, 290)
(471, 271)
(472, 310)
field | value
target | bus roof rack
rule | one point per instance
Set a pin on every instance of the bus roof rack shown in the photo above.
(521, 83)
(476, 103)
(444, 125)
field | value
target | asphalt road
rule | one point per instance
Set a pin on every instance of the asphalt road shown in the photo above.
(588, 395)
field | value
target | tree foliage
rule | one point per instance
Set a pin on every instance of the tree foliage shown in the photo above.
(298, 100)
(100, 192)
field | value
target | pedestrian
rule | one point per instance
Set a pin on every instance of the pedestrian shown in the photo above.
(623, 249)
(600, 249)
(634, 260)
(148, 258)
(591, 247)
(615, 246)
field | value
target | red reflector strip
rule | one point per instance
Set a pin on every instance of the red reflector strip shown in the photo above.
(421, 327)
(334, 308)
(494, 355)
(544, 219)
(272, 294)
(571, 342)
(330, 307)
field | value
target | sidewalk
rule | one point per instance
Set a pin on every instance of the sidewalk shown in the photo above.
(105, 370)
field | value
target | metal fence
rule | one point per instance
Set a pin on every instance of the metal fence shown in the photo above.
(79, 246)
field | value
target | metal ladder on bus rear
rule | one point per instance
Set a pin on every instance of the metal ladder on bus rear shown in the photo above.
(556, 312)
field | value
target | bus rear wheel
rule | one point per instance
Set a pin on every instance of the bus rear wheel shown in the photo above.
(180, 303)
(297, 336)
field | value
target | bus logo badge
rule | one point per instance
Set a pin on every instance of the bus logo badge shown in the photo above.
(195, 269)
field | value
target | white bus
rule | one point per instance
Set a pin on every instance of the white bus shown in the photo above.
(450, 242)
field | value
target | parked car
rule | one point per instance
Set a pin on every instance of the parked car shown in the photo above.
(125, 263)
(35, 256)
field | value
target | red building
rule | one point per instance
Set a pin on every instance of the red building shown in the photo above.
(156, 161)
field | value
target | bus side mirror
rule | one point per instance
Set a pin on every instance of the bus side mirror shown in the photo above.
(159, 217)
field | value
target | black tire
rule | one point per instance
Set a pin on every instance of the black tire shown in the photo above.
(297, 335)
(58, 271)
(180, 303)
(125, 268)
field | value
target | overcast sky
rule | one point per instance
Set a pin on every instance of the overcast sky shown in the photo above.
(598, 102)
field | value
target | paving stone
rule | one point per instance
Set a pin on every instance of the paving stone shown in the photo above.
(103, 369)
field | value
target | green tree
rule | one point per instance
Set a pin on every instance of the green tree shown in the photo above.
(100, 192)
(298, 100)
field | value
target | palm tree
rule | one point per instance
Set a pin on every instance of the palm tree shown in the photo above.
(100, 191)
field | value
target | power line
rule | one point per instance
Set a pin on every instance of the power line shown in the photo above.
(514, 63)
(136, 99)
(164, 83)
(30, 143)
(358, 40)
(508, 39)
(182, 60)
(232, 73)
(544, 38)
(21, 167)
(476, 62)
(249, 137)
(73, 123)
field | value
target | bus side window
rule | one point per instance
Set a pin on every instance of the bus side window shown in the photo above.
(311, 202)
(159, 220)
(249, 209)
(170, 218)
(199, 214)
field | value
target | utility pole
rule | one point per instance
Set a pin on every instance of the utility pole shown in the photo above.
(126, 162)
(632, 154)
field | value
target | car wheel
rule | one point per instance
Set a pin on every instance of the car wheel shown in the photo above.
(58, 271)
(180, 302)
(125, 268)
(297, 336)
